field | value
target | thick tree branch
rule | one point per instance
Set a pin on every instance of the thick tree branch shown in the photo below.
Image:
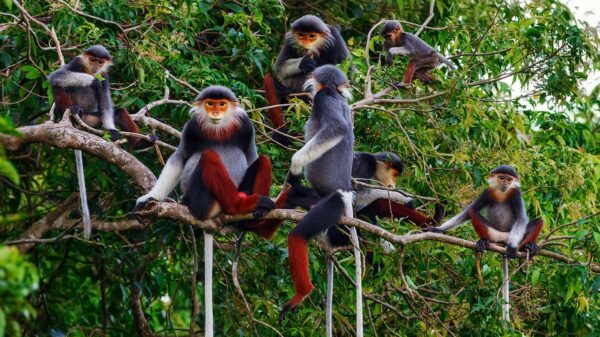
(63, 135)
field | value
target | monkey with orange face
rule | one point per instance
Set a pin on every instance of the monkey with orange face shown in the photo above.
(310, 43)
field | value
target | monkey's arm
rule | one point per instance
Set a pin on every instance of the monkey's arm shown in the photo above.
(250, 148)
(332, 131)
(67, 79)
(462, 217)
(366, 196)
(105, 103)
(168, 179)
(62, 98)
(519, 228)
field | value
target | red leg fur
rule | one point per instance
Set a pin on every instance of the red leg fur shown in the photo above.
(61, 98)
(217, 180)
(298, 255)
(275, 114)
(410, 71)
(534, 230)
(394, 210)
(479, 224)
(124, 120)
(262, 186)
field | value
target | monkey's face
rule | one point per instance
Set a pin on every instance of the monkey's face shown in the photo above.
(96, 65)
(392, 38)
(386, 174)
(216, 109)
(503, 182)
(306, 39)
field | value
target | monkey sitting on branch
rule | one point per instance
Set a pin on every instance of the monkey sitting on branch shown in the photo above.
(506, 220)
(423, 57)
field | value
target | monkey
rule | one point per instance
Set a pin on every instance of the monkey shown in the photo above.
(423, 57)
(76, 86)
(309, 43)
(327, 160)
(506, 222)
(371, 203)
(216, 161)
(219, 171)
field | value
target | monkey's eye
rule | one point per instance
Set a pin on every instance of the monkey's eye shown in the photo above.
(222, 104)
(210, 104)
(312, 36)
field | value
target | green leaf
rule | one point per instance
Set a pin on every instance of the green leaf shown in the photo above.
(8, 3)
(8, 170)
(535, 276)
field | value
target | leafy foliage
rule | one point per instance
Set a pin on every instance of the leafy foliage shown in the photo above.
(517, 98)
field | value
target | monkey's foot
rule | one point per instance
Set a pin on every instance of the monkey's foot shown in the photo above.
(533, 249)
(114, 134)
(76, 109)
(401, 85)
(287, 307)
(264, 206)
(482, 245)
(145, 145)
(511, 252)
(440, 212)
(432, 229)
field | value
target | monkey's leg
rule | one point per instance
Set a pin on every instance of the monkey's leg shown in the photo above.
(424, 66)
(214, 176)
(321, 217)
(272, 93)
(258, 181)
(384, 208)
(208, 300)
(534, 228)
(408, 75)
(126, 123)
(481, 228)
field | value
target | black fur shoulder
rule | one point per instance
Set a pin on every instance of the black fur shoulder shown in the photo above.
(363, 165)
(338, 52)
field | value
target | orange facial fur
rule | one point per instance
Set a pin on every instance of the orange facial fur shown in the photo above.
(95, 65)
(386, 174)
(307, 39)
(502, 186)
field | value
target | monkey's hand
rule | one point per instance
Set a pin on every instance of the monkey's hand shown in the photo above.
(293, 179)
(263, 207)
(433, 230)
(533, 249)
(114, 134)
(76, 109)
(140, 203)
(482, 245)
(307, 64)
(511, 252)
(389, 59)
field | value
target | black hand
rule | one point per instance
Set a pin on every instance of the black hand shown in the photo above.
(114, 134)
(511, 252)
(139, 206)
(432, 229)
(154, 138)
(293, 179)
(388, 59)
(482, 245)
(533, 249)
(284, 311)
(307, 64)
(76, 109)
(264, 206)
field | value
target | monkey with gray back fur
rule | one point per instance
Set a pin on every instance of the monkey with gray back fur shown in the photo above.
(76, 87)
(423, 57)
(309, 43)
(217, 164)
(327, 157)
(506, 221)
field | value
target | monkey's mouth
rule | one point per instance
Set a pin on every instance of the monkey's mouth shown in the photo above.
(503, 188)
(215, 120)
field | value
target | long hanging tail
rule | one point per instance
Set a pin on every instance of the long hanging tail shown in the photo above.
(447, 62)
(85, 211)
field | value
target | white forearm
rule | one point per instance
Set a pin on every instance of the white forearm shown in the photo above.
(289, 68)
(312, 151)
(167, 180)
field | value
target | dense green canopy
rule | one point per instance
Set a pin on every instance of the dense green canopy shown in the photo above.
(517, 98)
